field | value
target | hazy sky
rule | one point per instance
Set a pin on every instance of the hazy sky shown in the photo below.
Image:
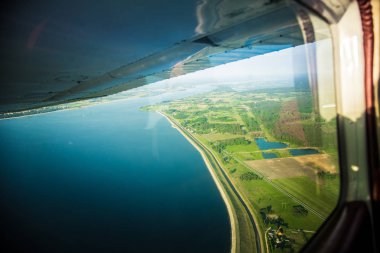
(272, 65)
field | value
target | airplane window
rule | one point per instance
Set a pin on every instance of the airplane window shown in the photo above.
(238, 157)
(270, 139)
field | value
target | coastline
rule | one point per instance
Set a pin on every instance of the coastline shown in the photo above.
(223, 194)
(31, 114)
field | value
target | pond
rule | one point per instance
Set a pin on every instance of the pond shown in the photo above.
(263, 144)
(269, 155)
(303, 151)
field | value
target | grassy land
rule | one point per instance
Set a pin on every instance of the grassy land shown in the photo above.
(243, 148)
(227, 123)
(218, 136)
(321, 195)
(249, 155)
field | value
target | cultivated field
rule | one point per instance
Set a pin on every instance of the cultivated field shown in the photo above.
(294, 194)
(282, 168)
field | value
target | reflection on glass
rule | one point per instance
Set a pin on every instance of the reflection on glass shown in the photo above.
(266, 130)
(266, 141)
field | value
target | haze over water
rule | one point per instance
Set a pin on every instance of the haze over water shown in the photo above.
(107, 178)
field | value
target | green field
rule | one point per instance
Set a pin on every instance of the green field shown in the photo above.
(226, 122)
(243, 148)
(219, 136)
(322, 195)
(249, 155)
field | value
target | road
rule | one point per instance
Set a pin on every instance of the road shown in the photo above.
(215, 163)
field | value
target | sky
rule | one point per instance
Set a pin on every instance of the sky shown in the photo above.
(271, 66)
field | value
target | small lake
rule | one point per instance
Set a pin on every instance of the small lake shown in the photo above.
(303, 151)
(269, 155)
(263, 144)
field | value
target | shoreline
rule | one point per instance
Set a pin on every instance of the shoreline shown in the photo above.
(31, 114)
(223, 194)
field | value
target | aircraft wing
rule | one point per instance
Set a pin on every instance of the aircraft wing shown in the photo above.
(58, 53)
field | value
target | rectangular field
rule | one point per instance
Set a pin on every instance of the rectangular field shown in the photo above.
(281, 168)
(307, 165)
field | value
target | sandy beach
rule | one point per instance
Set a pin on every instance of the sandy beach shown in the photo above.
(222, 192)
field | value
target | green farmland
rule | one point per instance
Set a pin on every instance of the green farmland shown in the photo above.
(279, 155)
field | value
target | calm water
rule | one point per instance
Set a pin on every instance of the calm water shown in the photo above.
(269, 155)
(107, 178)
(303, 151)
(263, 144)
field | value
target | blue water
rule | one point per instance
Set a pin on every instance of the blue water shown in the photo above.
(263, 144)
(304, 151)
(269, 155)
(107, 178)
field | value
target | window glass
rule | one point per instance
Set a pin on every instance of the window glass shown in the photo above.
(268, 132)
(241, 157)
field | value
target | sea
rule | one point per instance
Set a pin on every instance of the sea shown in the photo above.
(107, 178)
